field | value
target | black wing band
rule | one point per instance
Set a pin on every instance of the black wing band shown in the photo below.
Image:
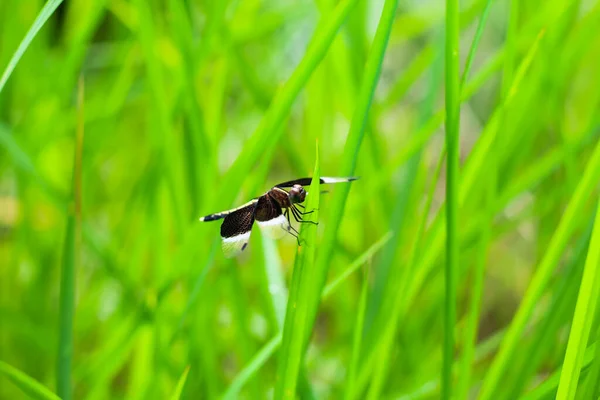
(306, 181)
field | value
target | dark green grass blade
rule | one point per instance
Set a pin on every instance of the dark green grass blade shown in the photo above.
(452, 188)
(27, 384)
(69, 263)
(349, 392)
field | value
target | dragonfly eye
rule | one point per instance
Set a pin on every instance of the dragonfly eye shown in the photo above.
(297, 194)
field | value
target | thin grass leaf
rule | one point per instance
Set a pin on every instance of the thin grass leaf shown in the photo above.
(477, 291)
(452, 189)
(180, 384)
(45, 13)
(585, 311)
(475, 42)
(70, 261)
(349, 392)
(27, 384)
(475, 307)
(292, 350)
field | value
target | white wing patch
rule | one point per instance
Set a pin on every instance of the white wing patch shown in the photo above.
(275, 228)
(326, 179)
(232, 246)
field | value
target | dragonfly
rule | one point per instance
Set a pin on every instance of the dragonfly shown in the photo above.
(271, 211)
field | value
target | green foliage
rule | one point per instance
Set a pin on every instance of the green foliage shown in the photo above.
(122, 122)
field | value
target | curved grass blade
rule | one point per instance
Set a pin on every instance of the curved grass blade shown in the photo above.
(292, 351)
(27, 384)
(41, 19)
(585, 311)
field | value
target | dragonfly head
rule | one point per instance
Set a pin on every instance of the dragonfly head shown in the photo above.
(297, 194)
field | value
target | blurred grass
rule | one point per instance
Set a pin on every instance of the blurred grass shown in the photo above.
(192, 107)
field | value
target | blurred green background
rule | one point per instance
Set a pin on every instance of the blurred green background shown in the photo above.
(125, 121)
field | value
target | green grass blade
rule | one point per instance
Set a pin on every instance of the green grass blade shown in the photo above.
(45, 13)
(69, 263)
(475, 43)
(452, 189)
(67, 312)
(27, 384)
(292, 350)
(470, 337)
(474, 313)
(585, 311)
(567, 225)
(349, 392)
(180, 384)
